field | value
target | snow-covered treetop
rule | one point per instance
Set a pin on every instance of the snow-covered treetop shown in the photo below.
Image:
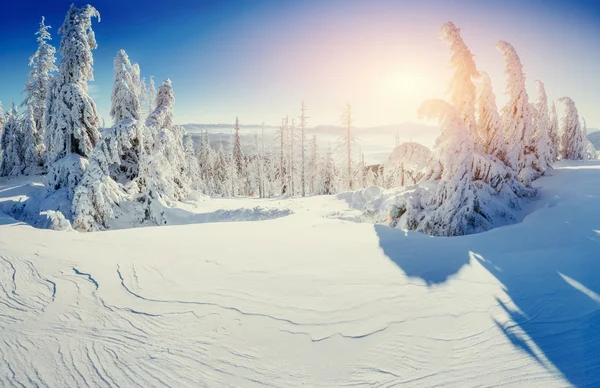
(462, 88)
(454, 138)
(42, 63)
(542, 100)
(514, 70)
(489, 123)
(77, 41)
(162, 117)
(517, 117)
(125, 102)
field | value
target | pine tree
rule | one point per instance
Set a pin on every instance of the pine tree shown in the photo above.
(303, 118)
(553, 131)
(72, 119)
(488, 120)
(313, 167)
(542, 140)
(12, 145)
(346, 150)
(291, 158)
(125, 103)
(462, 89)
(589, 149)
(40, 77)
(151, 94)
(192, 167)
(517, 120)
(572, 141)
(237, 154)
(32, 143)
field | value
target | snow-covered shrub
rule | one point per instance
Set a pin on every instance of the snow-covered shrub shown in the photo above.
(406, 165)
(66, 173)
(56, 221)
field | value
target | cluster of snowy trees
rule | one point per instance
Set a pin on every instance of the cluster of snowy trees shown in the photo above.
(290, 165)
(485, 159)
(144, 160)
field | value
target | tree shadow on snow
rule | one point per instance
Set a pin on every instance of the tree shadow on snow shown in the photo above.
(549, 268)
(434, 265)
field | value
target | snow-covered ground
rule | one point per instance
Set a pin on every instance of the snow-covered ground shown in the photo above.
(292, 292)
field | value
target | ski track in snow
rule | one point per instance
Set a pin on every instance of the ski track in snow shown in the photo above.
(308, 300)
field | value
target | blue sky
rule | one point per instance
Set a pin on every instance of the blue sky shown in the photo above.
(259, 59)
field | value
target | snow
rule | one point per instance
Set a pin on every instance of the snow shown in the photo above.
(290, 293)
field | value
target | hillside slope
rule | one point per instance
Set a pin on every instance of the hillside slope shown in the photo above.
(307, 298)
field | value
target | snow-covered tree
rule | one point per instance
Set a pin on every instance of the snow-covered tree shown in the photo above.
(462, 88)
(489, 124)
(40, 76)
(346, 151)
(97, 198)
(150, 94)
(326, 180)
(406, 165)
(164, 167)
(12, 145)
(237, 154)
(192, 167)
(517, 120)
(71, 118)
(462, 202)
(553, 128)
(33, 145)
(542, 140)
(313, 166)
(125, 103)
(589, 149)
(303, 118)
(572, 141)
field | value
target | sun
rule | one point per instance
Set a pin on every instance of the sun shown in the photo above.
(405, 83)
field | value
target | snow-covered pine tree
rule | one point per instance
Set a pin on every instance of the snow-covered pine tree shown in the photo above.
(33, 145)
(192, 167)
(542, 140)
(71, 118)
(346, 151)
(292, 157)
(406, 165)
(36, 89)
(98, 197)
(125, 103)
(150, 92)
(590, 152)
(462, 89)
(488, 120)
(553, 128)
(281, 165)
(572, 142)
(237, 154)
(517, 120)
(313, 166)
(303, 118)
(12, 145)
(164, 169)
(326, 181)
